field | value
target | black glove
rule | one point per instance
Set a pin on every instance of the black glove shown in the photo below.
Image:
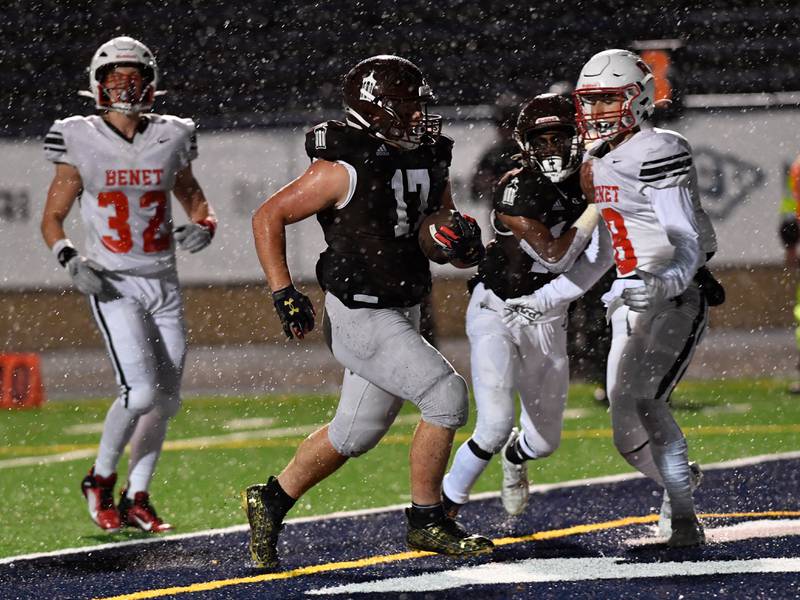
(295, 311)
(710, 287)
(462, 240)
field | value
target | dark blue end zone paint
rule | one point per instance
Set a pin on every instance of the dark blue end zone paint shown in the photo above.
(773, 485)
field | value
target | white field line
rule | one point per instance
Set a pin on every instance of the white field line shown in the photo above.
(393, 507)
(539, 570)
(747, 530)
(190, 443)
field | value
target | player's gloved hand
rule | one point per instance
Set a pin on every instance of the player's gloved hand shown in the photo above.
(91, 279)
(461, 241)
(641, 298)
(530, 309)
(712, 289)
(195, 236)
(295, 311)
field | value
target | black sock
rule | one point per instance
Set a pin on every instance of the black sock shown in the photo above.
(516, 455)
(278, 502)
(422, 515)
(447, 504)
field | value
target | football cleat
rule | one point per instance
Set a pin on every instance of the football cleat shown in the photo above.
(264, 529)
(140, 513)
(514, 493)
(665, 515)
(99, 494)
(686, 532)
(446, 537)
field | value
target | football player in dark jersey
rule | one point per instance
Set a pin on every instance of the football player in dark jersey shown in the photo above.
(542, 226)
(373, 179)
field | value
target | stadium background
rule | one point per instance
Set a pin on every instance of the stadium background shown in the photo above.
(256, 76)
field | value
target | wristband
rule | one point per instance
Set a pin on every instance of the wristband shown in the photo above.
(64, 250)
(588, 220)
(210, 224)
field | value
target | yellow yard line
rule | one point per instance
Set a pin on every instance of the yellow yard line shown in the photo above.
(224, 441)
(404, 556)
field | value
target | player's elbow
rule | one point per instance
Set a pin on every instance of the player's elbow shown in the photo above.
(267, 216)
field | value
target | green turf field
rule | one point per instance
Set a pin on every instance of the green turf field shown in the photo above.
(213, 452)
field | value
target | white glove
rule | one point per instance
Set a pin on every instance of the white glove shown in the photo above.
(90, 278)
(193, 236)
(644, 297)
(525, 310)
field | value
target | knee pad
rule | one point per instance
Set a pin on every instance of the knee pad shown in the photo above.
(354, 443)
(168, 404)
(492, 431)
(541, 450)
(445, 402)
(140, 398)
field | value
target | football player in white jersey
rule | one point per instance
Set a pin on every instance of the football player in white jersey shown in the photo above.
(644, 184)
(121, 165)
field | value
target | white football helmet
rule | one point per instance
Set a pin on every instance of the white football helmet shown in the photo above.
(610, 73)
(123, 51)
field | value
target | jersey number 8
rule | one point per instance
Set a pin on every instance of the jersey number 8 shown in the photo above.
(624, 255)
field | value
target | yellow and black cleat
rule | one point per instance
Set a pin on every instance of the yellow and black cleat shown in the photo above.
(264, 530)
(447, 537)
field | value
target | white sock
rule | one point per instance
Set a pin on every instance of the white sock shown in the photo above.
(117, 430)
(146, 443)
(463, 474)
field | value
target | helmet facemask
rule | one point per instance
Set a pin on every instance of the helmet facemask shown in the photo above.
(402, 122)
(597, 121)
(125, 92)
(555, 151)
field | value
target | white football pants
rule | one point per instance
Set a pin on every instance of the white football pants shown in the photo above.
(649, 354)
(145, 336)
(386, 362)
(530, 360)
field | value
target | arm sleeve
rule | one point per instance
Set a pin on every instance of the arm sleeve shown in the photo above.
(189, 149)
(587, 270)
(674, 210)
(55, 145)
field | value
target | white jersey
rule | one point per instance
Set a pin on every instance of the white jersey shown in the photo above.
(125, 203)
(656, 159)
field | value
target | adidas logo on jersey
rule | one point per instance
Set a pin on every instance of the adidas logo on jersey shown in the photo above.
(382, 151)
(558, 205)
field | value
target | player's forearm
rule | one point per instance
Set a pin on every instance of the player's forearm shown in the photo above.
(558, 254)
(583, 275)
(269, 232)
(52, 228)
(674, 211)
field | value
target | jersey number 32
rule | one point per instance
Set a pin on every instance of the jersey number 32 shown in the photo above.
(123, 242)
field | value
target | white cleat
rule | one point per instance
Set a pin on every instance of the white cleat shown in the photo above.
(665, 516)
(514, 493)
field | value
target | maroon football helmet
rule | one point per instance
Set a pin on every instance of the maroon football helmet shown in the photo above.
(387, 96)
(547, 134)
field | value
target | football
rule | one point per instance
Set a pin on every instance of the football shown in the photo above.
(430, 247)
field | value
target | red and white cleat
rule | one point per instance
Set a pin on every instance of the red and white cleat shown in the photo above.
(139, 513)
(99, 494)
